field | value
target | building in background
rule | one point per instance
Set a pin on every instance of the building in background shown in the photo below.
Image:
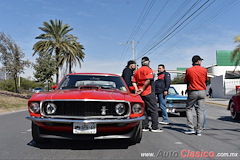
(226, 75)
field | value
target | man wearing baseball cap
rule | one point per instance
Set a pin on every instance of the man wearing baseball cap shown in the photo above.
(128, 72)
(142, 82)
(196, 78)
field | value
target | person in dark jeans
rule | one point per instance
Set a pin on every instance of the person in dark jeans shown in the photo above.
(143, 83)
(127, 73)
(162, 85)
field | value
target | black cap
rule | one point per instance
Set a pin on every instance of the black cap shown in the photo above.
(196, 58)
(131, 62)
(144, 59)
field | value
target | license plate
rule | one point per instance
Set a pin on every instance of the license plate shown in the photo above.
(84, 128)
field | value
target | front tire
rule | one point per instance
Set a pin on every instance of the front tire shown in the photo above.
(233, 111)
(36, 134)
(137, 136)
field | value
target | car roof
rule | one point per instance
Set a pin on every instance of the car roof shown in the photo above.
(100, 74)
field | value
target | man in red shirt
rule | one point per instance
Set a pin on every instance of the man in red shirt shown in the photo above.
(196, 78)
(143, 83)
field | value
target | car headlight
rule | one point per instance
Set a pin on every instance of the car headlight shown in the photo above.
(120, 108)
(51, 108)
(137, 108)
(34, 107)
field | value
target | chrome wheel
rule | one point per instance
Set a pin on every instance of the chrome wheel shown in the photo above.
(233, 111)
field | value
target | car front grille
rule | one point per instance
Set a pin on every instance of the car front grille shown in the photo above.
(177, 101)
(85, 108)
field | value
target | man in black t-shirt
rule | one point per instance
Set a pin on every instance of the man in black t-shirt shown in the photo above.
(128, 72)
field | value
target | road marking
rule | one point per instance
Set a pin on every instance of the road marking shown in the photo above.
(178, 143)
(29, 130)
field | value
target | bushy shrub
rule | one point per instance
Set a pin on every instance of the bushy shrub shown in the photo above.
(7, 85)
(25, 84)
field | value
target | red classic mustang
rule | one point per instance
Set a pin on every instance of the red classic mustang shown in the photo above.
(234, 106)
(87, 106)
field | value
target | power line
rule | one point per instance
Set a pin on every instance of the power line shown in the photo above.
(170, 29)
(170, 36)
(153, 21)
(141, 20)
(213, 16)
(149, 4)
(167, 25)
(175, 29)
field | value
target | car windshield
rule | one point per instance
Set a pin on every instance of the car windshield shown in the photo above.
(105, 82)
(38, 89)
(172, 91)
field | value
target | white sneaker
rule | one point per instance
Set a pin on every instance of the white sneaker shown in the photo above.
(199, 134)
(164, 123)
(145, 129)
(157, 130)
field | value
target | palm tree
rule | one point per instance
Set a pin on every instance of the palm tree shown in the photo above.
(55, 40)
(71, 58)
(236, 52)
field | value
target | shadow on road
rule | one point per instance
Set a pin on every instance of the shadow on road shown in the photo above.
(179, 127)
(81, 145)
(228, 119)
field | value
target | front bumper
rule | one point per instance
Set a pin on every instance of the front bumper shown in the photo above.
(176, 107)
(175, 110)
(69, 135)
(97, 121)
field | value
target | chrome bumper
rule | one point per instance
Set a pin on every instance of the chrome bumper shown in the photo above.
(97, 121)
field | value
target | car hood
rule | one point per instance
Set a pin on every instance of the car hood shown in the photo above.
(83, 94)
(176, 97)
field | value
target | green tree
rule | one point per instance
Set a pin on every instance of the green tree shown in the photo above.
(236, 51)
(12, 58)
(27, 84)
(56, 40)
(45, 68)
(179, 79)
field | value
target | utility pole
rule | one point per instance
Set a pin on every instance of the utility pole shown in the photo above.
(132, 42)
(19, 80)
(5, 74)
(133, 49)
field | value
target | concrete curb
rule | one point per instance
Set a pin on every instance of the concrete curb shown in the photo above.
(13, 111)
(222, 105)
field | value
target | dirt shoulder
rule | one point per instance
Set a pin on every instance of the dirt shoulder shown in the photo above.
(11, 102)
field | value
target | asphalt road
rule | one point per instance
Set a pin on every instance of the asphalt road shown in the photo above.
(219, 140)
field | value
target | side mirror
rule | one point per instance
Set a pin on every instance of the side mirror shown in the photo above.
(54, 87)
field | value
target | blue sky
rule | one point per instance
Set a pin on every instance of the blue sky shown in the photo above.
(106, 27)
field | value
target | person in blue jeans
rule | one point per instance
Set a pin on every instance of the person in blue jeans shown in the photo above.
(162, 85)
